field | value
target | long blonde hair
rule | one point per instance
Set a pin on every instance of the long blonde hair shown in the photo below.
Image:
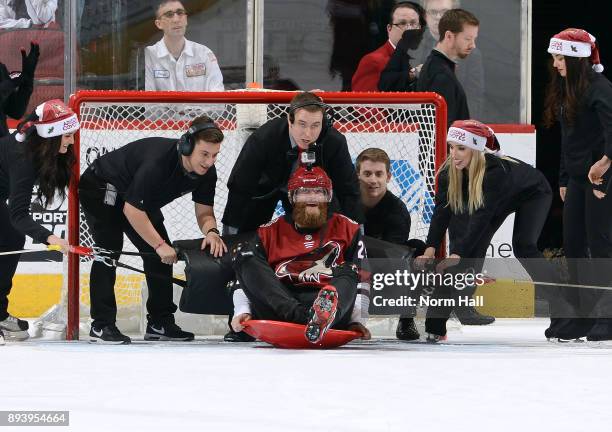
(476, 173)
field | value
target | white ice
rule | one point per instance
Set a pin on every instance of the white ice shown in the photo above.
(503, 377)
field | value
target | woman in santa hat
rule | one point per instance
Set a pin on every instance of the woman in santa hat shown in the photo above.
(483, 187)
(579, 97)
(41, 154)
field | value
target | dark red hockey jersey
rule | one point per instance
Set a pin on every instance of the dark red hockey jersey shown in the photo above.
(303, 258)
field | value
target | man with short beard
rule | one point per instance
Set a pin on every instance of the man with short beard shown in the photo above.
(458, 31)
(303, 267)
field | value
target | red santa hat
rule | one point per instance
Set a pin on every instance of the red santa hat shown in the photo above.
(574, 42)
(475, 135)
(55, 119)
(52, 118)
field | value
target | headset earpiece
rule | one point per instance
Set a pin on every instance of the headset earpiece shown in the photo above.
(186, 142)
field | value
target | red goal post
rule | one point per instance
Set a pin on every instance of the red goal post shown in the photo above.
(411, 127)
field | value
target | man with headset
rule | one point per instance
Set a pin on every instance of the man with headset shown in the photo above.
(272, 153)
(259, 177)
(123, 192)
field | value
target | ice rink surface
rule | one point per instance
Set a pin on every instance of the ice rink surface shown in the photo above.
(503, 377)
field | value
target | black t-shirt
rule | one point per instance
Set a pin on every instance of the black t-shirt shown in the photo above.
(389, 220)
(148, 174)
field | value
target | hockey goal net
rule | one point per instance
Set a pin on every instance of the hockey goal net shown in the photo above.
(411, 127)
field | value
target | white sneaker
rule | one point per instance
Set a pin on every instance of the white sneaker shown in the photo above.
(14, 328)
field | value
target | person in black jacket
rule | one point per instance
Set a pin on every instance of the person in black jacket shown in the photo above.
(386, 219)
(259, 177)
(123, 191)
(40, 153)
(476, 181)
(398, 74)
(15, 91)
(458, 32)
(580, 99)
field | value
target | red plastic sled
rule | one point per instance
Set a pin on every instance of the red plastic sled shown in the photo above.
(290, 335)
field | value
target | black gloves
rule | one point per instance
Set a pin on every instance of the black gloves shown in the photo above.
(29, 61)
(411, 39)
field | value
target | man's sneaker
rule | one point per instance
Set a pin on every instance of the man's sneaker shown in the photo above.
(574, 329)
(14, 328)
(232, 336)
(434, 338)
(322, 314)
(108, 334)
(167, 331)
(1, 338)
(406, 330)
(601, 331)
(468, 315)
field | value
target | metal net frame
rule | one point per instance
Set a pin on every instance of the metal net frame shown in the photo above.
(410, 127)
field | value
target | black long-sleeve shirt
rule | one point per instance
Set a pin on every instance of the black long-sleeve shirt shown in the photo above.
(396, 74)
(15, 105)
(505, 186)
(438, 75)
(17, 179)
(389, 220)
(590, 137)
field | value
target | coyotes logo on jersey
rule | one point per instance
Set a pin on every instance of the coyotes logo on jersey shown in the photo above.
(314, 267)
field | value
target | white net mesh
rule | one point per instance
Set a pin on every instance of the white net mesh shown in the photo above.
(406, 131)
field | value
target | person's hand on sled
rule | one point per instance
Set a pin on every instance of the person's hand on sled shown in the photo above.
(239, 320)
(216, 243)
(423, 260)
(166, 253)
(360, 328)
(452, 260)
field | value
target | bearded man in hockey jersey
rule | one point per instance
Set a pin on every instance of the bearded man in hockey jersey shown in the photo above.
(303, 267)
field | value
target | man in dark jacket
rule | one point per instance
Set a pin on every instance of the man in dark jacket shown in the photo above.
(458, 32)
(259, 177)
(469, 71)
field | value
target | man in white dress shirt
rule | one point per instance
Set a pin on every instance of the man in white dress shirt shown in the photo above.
(175, 63)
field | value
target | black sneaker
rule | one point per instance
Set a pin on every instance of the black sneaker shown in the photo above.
(406, 330)
(601, 331)
(574, 329)
(468, 315)
(232, 336)
(108, 334)
(166, 331)
(14, 328)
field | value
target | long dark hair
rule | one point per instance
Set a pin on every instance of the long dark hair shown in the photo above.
(54, 169)
(567, 92)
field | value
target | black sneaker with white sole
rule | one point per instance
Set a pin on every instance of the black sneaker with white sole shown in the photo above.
(167, 331)
(109, 335)
(14, 328)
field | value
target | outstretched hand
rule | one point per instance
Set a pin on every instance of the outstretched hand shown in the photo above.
(239, 320)
(360, 328)
(29, 61)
